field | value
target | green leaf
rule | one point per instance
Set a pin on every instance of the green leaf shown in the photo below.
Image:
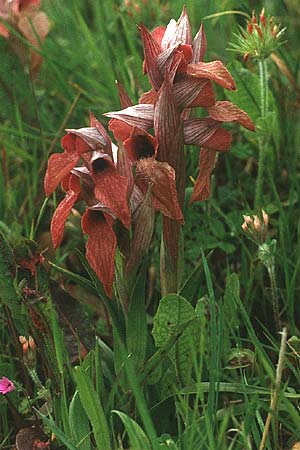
(79, 424)
(93, 409)
(137, 322)
(137, 437)
(174, 310)
(57, 431)
(8, 293)
(247, 95)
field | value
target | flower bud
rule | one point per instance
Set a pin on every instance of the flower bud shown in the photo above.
(247, 219)
(265, 218)
(259, 31)
(29, 351)
(256, 224)
(262, 17)
(245, 227)
(250, 27)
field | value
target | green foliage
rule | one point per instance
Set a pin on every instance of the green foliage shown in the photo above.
(93, 409)
(79, 424)
(173, 311)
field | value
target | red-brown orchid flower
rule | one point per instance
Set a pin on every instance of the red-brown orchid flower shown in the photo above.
(106, 183)
(25, 17)
(180, 81)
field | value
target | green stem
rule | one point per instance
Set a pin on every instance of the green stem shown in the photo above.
(271, 272)
(263, 75)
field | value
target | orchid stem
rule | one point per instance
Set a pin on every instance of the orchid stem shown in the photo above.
(263, 75)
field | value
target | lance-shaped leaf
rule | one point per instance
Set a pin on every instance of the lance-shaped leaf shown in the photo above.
(215, 71)
(225, 111)
(151, 50)
(111, 189)
(193, 92)
(125, 100)
(161, 177)
(63, 210)
(143, 226)
(101, 246)
(140, 144)
(140, 115)
(207, 133)
(199, 45)
(166, 122)
(207, 161)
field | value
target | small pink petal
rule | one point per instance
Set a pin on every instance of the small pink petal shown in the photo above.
(6, 386)
(4, 31)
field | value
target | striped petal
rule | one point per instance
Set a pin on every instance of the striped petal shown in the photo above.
(214, 71)
(101, 246)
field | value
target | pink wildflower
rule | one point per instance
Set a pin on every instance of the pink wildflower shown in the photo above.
(6, 386)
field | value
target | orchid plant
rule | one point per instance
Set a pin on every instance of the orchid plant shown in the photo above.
(123, 184)
(26, 18)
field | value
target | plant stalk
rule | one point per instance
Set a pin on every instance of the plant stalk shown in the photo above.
(263, 75)
(271, 272)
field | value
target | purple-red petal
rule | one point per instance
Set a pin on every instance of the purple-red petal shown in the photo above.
(63, 211)
(140, 115)
(151, 50)
(199, 45)
(215, 71)
(206, 133)
(111, 189)
(101, 246)
(225, 111)
(161, 177)
(207, 161)
(59, 166)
